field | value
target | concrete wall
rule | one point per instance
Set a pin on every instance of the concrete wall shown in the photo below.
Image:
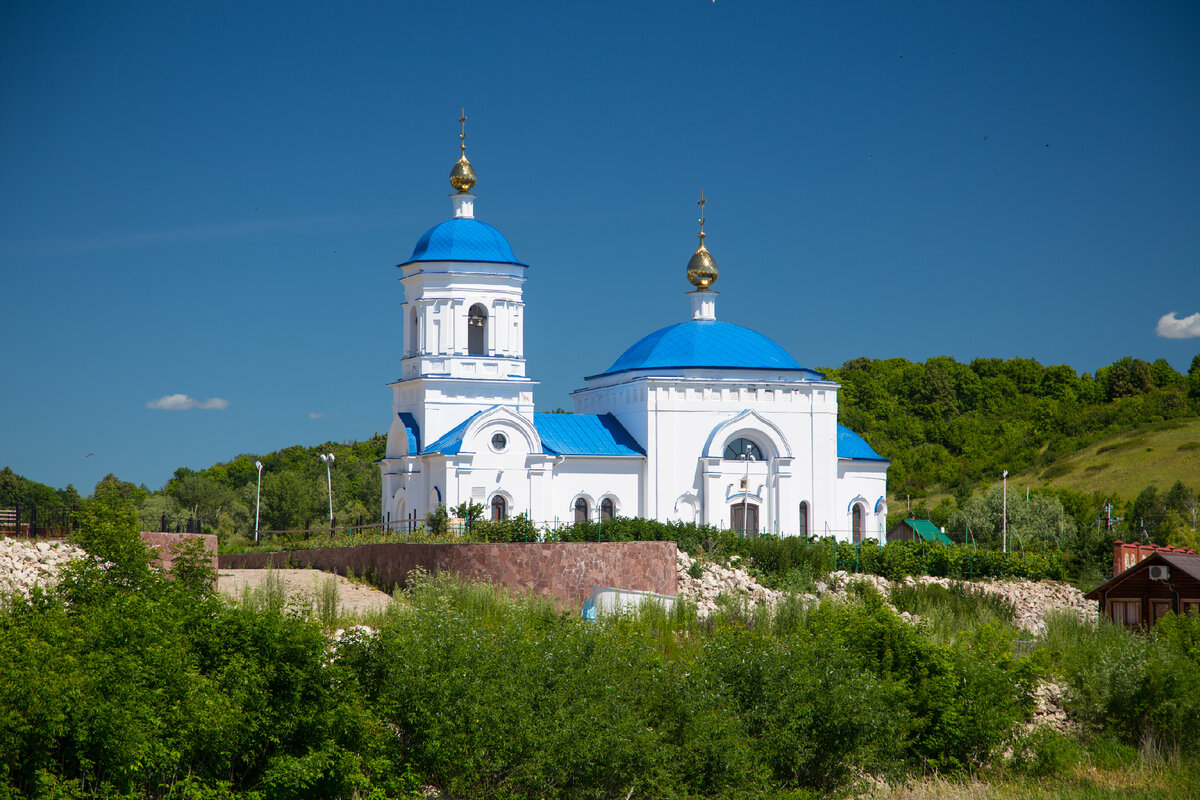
(164, 543)
(564, 571)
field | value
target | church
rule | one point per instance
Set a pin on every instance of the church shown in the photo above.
(701, 421)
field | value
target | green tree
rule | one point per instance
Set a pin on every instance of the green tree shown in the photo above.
(1146, 513)
(202, 497)
(289, 500)
(111, 485)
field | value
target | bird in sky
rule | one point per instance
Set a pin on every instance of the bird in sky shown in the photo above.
(90, 455)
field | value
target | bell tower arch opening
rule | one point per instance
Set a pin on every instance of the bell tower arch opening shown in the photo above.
(477, 318)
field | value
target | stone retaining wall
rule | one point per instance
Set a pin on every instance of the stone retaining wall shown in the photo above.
(165, 544)
(564, 571)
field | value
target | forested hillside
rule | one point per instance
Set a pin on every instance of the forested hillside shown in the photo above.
(953, 426)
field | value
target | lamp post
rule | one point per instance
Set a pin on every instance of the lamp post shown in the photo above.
(257, 499)
(328, 459)
(1004, 515)
(747, 457)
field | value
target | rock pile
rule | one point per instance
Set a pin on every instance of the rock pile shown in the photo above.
(25, 564)
(1031, 600)
(1048, 699)
(715, 580)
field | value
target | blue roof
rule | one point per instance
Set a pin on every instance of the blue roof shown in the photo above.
(851, 445)
(585, 435)
(705, 344)
(562, 434)
(413, 430)
(451, 440)
(463, 239)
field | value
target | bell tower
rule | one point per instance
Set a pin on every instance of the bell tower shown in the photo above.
(463, 324)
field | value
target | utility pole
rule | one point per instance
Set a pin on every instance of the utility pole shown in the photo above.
(1004, 515)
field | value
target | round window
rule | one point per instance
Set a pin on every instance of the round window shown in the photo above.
(499, 442)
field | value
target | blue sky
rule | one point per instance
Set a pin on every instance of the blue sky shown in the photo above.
(208, 200)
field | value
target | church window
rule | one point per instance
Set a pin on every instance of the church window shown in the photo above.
(607, 508)
(742, 448)
(804, 519)
(499, 442)
(499, 509)
(477, 330)
(857, 522)
(581, 511)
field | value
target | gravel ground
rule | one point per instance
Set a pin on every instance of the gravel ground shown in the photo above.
(303, 584)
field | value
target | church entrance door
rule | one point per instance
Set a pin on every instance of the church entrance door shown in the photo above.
(744, 518)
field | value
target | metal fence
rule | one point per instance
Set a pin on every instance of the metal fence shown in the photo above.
(33, 522)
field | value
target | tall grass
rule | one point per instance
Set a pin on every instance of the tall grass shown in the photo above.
(269, 595)
(327, 599)
(949, 611)
(1141, 689)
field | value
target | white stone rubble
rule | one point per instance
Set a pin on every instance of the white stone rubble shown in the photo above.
(1031, 600)
(25, 564)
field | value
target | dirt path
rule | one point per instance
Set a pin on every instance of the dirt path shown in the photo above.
(304, 584)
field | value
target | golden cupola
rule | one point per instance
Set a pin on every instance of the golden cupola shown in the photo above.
(702, 267)
(462, 176)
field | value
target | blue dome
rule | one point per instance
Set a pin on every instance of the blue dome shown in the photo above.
(851, 445)
(463, 239)
(705, 344)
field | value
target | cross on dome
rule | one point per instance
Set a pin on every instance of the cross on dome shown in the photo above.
(702, 268)
(462, 176)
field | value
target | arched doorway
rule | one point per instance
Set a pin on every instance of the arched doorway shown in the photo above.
(856, 522)
(499, 509)
(743, 517)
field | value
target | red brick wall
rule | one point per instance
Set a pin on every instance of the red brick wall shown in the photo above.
(565, 571)
(165, 542)
(1126, 554)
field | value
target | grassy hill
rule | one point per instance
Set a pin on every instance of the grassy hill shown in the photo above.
(1123, 464)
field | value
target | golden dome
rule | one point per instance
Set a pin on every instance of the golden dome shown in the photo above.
(462, 177)
(702, 267)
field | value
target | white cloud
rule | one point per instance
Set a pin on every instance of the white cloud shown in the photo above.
(316, 414)
(1172, 327)
(181, 402)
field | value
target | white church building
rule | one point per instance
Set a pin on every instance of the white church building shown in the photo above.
(702, 420)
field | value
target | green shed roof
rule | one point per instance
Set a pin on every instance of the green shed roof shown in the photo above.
(927, 531)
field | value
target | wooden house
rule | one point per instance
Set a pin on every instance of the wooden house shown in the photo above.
(917, 530)
(1165, 581)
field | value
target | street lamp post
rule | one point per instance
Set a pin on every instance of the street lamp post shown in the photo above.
(328, 459)
(747, 457)
(1004, 515)
(257, 499)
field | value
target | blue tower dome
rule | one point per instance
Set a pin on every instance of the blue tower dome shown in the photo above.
(463, 239)
(706, 344)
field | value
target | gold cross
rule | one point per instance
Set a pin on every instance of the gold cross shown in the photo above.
(701, 203)
(462, 137)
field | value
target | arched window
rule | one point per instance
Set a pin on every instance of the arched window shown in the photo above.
(414, 345)
(499, 509)
(804, 519)
(742, 448)
(581, 511)
(607, 508)
(857, 522)
(477, 330)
